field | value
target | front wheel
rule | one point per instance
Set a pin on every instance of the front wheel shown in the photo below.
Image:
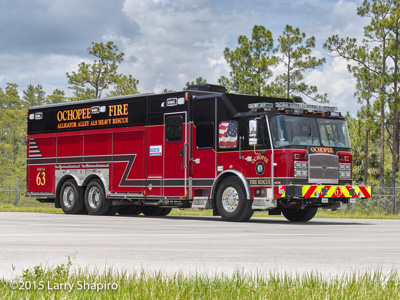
(231, 201)
(300, 214)
(165, 212)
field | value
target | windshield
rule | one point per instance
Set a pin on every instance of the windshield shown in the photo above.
(288, 130)
(334, 133)
(291, 130)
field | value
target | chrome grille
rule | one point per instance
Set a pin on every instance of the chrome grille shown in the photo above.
(323, 168)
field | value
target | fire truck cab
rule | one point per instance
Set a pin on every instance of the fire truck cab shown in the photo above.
(201, 148)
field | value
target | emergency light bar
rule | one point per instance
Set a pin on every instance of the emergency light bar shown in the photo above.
(312, 108)
(264, 105)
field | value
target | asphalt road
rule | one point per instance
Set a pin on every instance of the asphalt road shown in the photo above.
(197, 244)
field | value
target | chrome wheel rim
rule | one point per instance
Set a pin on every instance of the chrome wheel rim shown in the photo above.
(230, 199)
(94, 197)
(69, 197)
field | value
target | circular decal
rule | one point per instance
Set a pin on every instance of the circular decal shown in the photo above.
(260, 168)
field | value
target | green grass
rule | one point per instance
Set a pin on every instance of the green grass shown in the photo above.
(37, 209)
(344, 214)
(42, 283)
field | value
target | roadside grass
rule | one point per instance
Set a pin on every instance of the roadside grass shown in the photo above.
(345, 214)
(37, 209)
(60, 283)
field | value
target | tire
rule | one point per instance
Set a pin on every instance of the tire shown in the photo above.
(71, 198)
(231, 201)
(300, 215)
(152, 210)
(95, 199)
(129, 210)
(165, 212)
(114, 210)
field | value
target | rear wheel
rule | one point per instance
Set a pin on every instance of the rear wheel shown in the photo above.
(95, 200)
(300, 214)
(231, 201)
(71, 200)
(155, 211)
(126, 210)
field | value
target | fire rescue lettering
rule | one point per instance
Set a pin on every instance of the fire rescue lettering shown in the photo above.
(118, 110)
(260, 181)
(82, 114)
(74, 114)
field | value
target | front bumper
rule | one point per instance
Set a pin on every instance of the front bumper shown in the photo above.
(324, 191)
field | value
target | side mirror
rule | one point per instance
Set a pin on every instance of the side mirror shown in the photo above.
(253, 132)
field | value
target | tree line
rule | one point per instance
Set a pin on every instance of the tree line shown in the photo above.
(373, 61)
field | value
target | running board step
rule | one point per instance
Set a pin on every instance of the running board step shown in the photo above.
(201, 202)
(264, 203)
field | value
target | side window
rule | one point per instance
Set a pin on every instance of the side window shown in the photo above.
(204, 135)
(174, 128)
(228, 134)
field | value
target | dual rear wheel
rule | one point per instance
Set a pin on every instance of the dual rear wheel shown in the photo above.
(73, 200)
(93, 201)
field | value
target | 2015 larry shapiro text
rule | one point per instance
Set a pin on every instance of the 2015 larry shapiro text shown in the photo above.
(67, 286)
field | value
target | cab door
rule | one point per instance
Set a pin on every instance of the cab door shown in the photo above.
(176, 154)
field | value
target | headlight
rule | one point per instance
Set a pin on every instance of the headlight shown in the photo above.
(344, 174)
(297, 173)
(345, 167)
(300, 169)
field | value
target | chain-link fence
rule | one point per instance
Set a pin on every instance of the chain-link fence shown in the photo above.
(385, 200)
(15, 196)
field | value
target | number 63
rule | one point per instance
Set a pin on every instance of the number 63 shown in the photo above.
(41, 178)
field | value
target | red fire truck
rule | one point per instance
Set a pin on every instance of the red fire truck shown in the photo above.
(201, 148)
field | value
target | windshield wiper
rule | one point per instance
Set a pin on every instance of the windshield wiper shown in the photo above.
(329, 138)
(311, 134)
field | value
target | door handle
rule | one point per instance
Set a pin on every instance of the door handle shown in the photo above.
(181, 152)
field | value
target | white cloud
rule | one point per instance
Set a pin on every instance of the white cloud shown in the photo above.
(174, 45)
(335, 80)
(166, 43)
(47, 70)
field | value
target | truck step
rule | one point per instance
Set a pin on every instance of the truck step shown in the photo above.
(201, 202)
(261, 203)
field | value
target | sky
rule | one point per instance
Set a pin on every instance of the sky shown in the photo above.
(166, 42)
